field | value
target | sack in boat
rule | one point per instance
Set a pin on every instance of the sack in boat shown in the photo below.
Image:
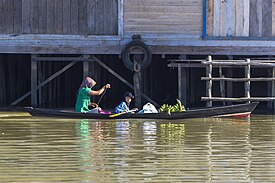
(148, 108)
(104, 112)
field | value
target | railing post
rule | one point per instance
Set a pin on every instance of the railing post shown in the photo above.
(273, 86)
(247, 83)
(209, 82)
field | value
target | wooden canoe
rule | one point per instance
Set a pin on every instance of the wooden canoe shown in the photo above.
(239, 110)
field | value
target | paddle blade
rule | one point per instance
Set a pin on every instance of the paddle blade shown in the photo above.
(114, 115)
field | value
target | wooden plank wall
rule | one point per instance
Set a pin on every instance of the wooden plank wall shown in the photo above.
(84, 17)
(245, 18)
(163, 17)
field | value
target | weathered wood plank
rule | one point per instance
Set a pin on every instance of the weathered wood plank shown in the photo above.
(66, 16)
(260, 16)
(267, 18)
(242, 18)
(2, 16)
(223, 20)
(58, 16)
(35, 16)
(17, 17)
(26, 16)
(9, 17)
(50, 16)
(121, 10)
(164, 3)
(216, 18)
(253, 19)
(167, 9)
(99, 18)
(210, 17)
(230, 17)
(273, 18)
(82, 17)
(74, 16)
(42, 18)
(112, 18)
(91, 16)
(256, 14)
(191, 29)
(168, 15)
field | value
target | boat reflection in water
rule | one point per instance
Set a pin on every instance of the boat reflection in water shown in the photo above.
(35, 149)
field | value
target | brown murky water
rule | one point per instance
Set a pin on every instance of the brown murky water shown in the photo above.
(196, 150)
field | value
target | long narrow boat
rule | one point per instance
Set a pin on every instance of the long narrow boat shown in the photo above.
(239, 110)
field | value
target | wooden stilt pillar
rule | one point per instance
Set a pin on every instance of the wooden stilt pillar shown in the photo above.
(137, 81)
(137, 89)
(209, 82)
(247, 83)
(182, 82)
(33, 82)
(273, 86)
(86, 68)
(222, 88)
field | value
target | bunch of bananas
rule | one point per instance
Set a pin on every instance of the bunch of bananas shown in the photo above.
(172, 108)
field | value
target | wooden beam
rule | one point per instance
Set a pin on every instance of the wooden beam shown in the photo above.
(63, 59)
(237, 79)
(44, 82)
(241, 99)
(122, 79)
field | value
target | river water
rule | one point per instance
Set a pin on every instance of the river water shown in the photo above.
(51, 150)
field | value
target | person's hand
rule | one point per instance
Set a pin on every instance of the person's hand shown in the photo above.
(135, 109)
(107, 86)
(93, 105)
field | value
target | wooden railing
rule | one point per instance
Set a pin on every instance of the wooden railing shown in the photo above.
(247, 64)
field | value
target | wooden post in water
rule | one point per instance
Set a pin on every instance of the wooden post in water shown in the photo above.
(209, 82)
(137, 81)
(229, 84)
(33, 82)
(247, 83)
(273, 87)
(86, 67)
(182, 82)
(222, 88)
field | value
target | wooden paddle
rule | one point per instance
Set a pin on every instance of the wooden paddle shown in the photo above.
(118, 114)
(101, 96)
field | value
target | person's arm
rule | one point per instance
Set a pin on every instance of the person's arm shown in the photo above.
(100, 91)
(121, 108)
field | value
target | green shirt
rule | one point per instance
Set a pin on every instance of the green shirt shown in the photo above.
(83, 100)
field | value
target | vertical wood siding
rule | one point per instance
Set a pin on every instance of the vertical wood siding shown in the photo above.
(84, 17)
(163, 17)
(246, 18)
